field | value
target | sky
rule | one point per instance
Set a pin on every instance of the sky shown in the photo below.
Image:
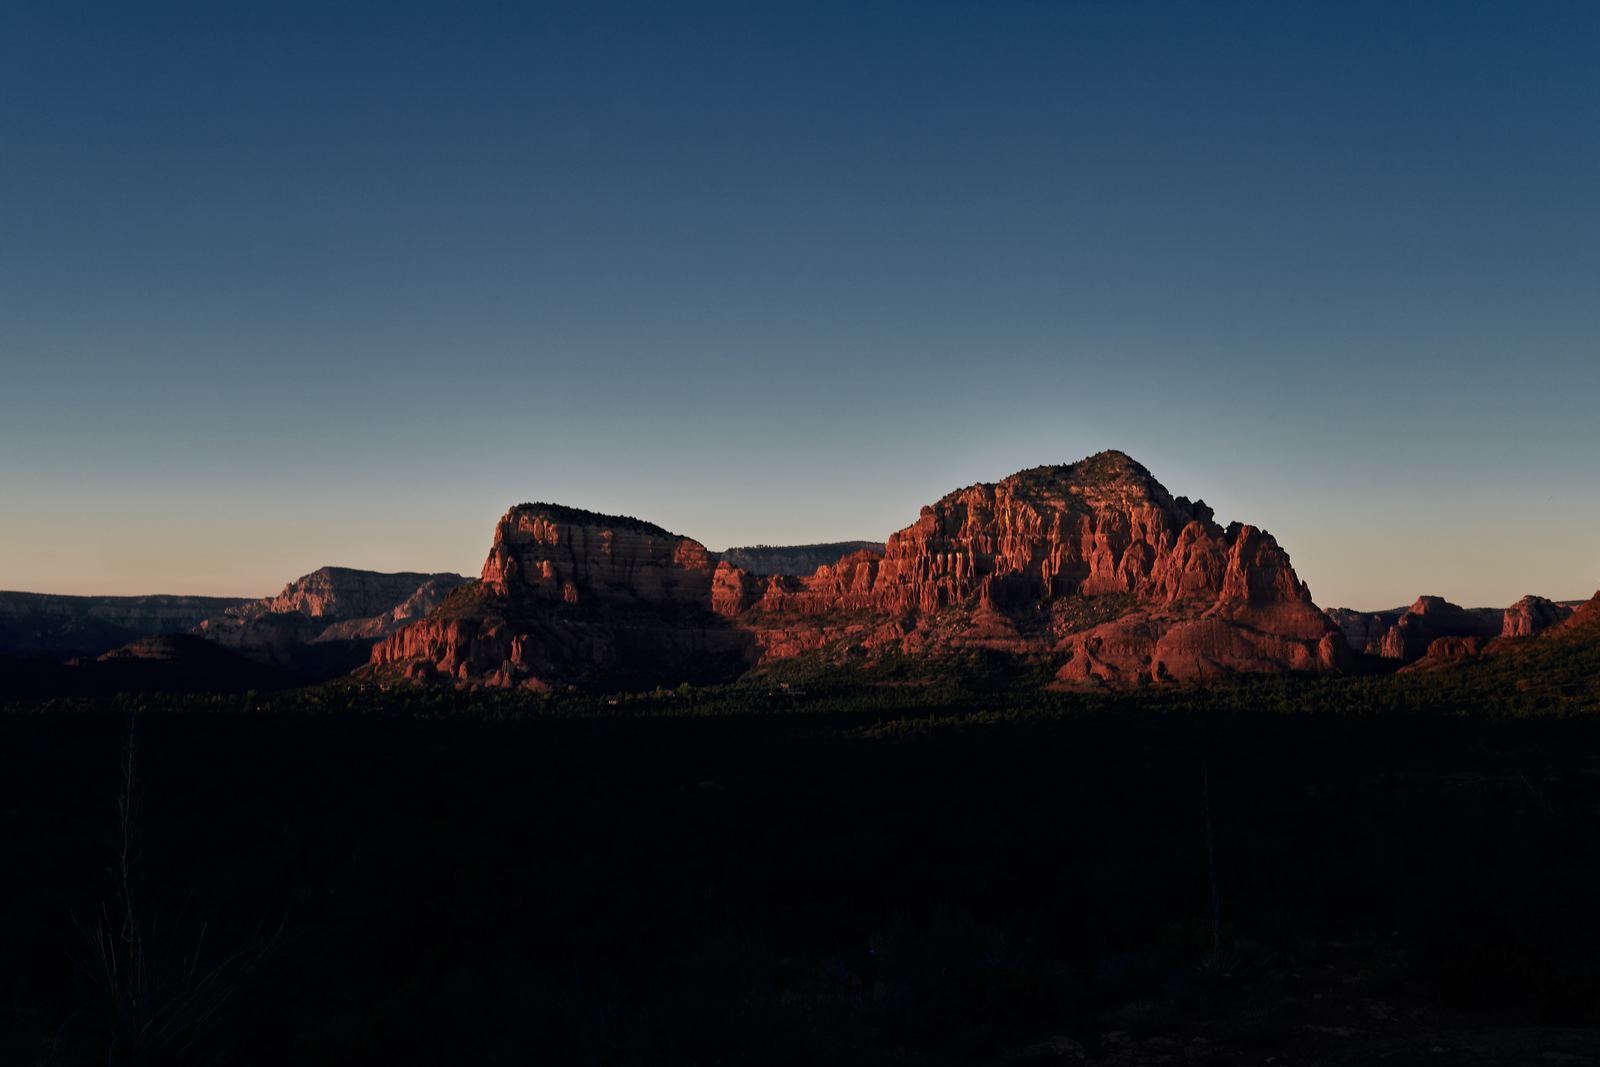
(285, 285)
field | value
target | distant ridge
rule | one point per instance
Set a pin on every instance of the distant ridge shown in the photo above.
(60, 626)
(793, 559)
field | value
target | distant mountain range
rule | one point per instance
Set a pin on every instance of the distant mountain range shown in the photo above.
(1084, 574)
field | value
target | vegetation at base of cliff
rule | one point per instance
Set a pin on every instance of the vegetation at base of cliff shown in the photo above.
(1552, 676)
(619, 884)
(1543, 679)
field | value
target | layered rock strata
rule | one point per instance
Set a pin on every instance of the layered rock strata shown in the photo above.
(568, 595)
(1092, 565)
(1411, 634)
(329, 605)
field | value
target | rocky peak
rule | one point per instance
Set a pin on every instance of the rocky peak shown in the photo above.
(1409, 634)
(331, 604)
(1100, 526)
(1585, 619)
(1104, 479)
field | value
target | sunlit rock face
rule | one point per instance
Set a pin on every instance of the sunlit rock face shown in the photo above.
(330, 605)
(1433, 631)
(574, 596)
(1431, 618)
(549, 552)
(1531, 615)
(1024, 564)
(1093, 566)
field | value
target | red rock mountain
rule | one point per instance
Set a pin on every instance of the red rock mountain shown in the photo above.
(568, 595)
(1092, 567)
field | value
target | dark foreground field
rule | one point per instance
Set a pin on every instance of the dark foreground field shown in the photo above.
(780, 888)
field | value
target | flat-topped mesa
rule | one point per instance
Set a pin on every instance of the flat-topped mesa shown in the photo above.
(1532, 615)
(1099, 527)
(555, 553)
(340, 609)
(1582, 624)
(844, 585)
(1433, 628)
(573, 596)
(1434, 617)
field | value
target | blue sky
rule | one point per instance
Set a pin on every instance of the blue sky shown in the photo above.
(285, 285)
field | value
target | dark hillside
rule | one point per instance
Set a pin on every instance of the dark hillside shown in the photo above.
(853, 887)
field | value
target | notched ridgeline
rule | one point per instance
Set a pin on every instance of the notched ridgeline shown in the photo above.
(1091, 570)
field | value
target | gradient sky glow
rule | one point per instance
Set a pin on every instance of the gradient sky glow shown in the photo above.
(285, 284)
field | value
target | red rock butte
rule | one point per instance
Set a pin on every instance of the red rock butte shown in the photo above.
(1092, 568)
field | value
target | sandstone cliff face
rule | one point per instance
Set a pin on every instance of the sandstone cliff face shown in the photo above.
(1583, 621)
(422, 600)
(1364, 631)
(1530, 627)
(1531, 615)
(330, 605)
(574, 596)
(554, 553)
(1411, 635)
(1092, 564)
(1018, 560)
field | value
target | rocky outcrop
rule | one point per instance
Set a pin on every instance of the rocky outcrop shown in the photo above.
(1014, 565)
(1446, 651)
(1092, 565)
(1410, 635)
(1433, 617)
(343, 593)
(427, 596)
(1364, 631)
(572, 596)
(339, 608)
(43, 624)
(1532, 615)
(560, 554)
(1584, 621)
